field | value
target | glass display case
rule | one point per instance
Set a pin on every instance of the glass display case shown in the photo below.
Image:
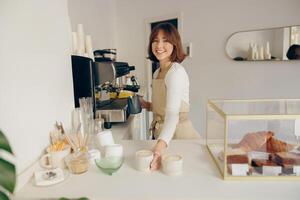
(255, 139)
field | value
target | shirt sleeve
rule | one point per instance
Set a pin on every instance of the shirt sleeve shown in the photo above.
(175, 84)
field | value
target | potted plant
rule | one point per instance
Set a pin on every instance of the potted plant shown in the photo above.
(7, 170)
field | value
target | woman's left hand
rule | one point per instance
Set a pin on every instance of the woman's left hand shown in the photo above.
(156, 162)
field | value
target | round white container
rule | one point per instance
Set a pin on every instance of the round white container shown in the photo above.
(172, 165)
(143, 159)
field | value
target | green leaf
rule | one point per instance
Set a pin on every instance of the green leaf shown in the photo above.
(7, 175)
(4, 143)
(81, 198)
(3, 196)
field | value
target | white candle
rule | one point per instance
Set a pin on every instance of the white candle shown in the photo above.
(261, 53)
(172, 164)
(267, 51)
(143, 159)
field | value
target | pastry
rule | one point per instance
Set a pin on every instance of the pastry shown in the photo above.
(286, 158)
(237, 159)
(259, 163)
(286, 161)
(255, 141)
(263, 141)
(274, 145)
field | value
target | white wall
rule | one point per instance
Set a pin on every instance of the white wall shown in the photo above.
(97, 18)
(208, 24)
(35, 74)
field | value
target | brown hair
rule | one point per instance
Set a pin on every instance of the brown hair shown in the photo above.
(173, 37)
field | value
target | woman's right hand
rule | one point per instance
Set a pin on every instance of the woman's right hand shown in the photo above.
(156, 162)
(144, 104)
(157, 150)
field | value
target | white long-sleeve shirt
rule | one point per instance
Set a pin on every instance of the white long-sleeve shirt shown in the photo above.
(177, 88)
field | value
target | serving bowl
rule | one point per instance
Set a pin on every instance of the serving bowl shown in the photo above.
(109, 165)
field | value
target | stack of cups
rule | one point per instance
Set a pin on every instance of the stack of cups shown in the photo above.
(105, 138)
(81, 40)
(88, 46)
(114, 150)
(106, 141)
(82, 44)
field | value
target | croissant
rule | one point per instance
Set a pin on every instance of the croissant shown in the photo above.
(255, 141)
(274, 145)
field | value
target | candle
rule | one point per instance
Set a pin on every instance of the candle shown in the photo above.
(143, 159)
(172, 164)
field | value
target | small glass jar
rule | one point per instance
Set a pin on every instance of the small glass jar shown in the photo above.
(77, 162)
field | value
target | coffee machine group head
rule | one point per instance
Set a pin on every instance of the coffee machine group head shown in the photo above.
(109, 71)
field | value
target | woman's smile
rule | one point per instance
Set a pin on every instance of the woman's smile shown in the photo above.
(160, 51)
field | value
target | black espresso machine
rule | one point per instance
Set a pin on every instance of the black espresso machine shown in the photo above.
(91, 79)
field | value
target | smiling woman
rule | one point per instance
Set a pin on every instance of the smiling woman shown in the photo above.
(170, 91)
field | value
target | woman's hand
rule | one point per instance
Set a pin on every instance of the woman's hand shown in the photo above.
(144, 104)
(156, 162)
(158, 148)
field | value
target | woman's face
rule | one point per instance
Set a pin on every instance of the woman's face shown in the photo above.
(161, 47)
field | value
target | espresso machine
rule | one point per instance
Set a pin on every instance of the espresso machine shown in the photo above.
(104, 76)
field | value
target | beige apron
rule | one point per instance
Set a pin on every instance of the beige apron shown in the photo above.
(184, 128)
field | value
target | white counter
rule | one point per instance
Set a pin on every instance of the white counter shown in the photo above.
(200, 180)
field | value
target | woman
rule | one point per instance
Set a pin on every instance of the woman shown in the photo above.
(170, 91)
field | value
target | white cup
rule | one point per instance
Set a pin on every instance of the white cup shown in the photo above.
(94, 154)
(55, 159)
(143, 159)
(172, 164)
(105, 138)
(114, 150)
